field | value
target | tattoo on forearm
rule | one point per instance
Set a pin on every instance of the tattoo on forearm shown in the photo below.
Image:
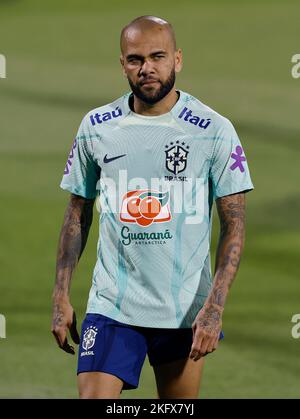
(231, 210)
(73, 238)
(57, 315)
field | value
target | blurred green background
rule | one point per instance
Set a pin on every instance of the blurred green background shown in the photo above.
(62, 61)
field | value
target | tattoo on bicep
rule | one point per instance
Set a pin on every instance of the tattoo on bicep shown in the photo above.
(231, 210)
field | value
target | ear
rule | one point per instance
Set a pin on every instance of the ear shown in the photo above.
(178, 60)
(122, 64)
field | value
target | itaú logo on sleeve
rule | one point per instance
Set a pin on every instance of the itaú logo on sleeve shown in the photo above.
(70, 158)
(144, 207)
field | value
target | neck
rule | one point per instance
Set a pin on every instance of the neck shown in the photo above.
(159, 108)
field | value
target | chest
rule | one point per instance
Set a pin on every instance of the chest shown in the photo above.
(147, 151)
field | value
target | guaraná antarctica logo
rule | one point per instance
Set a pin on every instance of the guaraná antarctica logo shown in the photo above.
(145, 207)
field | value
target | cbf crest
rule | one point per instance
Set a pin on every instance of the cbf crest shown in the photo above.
(176, 157)
(89, 338)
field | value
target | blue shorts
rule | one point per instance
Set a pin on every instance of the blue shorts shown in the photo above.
(120, 349)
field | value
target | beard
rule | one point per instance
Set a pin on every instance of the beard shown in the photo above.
(153, 96)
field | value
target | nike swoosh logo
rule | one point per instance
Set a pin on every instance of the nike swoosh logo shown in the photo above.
(107, 160)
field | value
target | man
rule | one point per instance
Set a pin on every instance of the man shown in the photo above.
(158, 157)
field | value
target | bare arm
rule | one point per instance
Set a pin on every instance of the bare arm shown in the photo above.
(73, 237)
(208, 323)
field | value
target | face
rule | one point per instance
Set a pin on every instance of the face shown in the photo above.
(150, 62)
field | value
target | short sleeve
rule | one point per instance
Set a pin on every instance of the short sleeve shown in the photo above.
(82, 172)
(229, 170)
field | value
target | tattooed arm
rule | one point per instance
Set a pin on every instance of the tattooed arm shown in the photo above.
(208, 323)
(72, 241)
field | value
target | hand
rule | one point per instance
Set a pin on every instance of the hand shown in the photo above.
(64, 318)
(206, 331)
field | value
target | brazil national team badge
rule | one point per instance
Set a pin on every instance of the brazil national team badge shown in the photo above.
(89, 338)
(176, 157)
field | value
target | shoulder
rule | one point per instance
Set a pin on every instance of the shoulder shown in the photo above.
(198, 117)
(108, 114)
